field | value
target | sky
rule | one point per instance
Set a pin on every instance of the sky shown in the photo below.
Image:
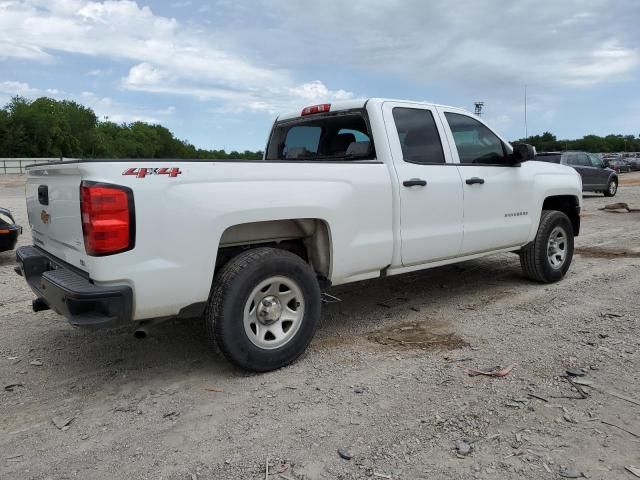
(218, 72)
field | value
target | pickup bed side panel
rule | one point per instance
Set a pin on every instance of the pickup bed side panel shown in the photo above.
(179, 221)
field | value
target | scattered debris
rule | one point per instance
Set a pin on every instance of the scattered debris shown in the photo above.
(281, 468)
(16, 457)
(494, 372)
(577, 386)
(616, 207)
(172, 415)
(621, 428)
(266, 469)
(214, 389)
(546, 467)
(63, 423)
(326, 298)
(344, 454)
(608, 315)
(577, 372)
(418, 335)
(381, 475)
(570, 473)
(11, 387)
(463, 448)
(634, 470)
(535, 395)
(35, 363)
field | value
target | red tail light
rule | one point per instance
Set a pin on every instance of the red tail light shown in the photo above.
(108, 221)
(323, 107)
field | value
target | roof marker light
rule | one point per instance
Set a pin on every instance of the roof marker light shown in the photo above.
(322, 108)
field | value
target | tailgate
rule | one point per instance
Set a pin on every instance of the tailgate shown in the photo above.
(53, 206)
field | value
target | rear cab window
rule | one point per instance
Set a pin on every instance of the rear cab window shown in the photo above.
(340, 136)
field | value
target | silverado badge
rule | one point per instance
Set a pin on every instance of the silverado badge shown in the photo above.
(45, 217)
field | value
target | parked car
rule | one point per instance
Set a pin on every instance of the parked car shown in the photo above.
(620, 165)
(633, 163)
(9, 231)
(345, 192)
(596, 177)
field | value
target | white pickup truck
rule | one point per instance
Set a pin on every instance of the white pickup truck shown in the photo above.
(346, 192)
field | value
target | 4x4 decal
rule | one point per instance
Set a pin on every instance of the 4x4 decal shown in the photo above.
(143, 172)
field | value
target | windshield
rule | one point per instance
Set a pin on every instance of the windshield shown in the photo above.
(343, 136)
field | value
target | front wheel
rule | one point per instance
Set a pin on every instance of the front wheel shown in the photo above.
(264, 309)
(612, 188)
(548, 258)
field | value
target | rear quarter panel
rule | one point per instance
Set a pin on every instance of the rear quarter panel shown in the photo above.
(179, 221)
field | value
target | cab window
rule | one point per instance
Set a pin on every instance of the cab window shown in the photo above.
(476, 144)
(418, 134)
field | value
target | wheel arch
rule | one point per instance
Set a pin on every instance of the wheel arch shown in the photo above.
(569, 205)
(309, 238)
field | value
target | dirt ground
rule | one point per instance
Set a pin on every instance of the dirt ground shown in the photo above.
(383, 379)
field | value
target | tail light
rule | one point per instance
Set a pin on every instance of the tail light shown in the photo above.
(323, 107)
(108, 218)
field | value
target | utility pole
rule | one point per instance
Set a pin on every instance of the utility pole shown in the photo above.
(526, 126)
(479, 106)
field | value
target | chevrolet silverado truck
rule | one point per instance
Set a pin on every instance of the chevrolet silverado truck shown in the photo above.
(345, 192)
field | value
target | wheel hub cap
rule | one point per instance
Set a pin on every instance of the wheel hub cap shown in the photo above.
(557, 247)
(274, 312)
(269, 310)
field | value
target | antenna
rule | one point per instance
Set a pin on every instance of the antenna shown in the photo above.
(479, 106)
(526, 127)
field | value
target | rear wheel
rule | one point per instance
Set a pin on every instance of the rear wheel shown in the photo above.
(548, 258)
(264, 309)
(612, 188)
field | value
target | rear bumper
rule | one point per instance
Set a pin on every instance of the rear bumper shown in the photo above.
(72, 294)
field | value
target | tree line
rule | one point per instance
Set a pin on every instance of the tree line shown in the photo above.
(547, 142)
(46, 127)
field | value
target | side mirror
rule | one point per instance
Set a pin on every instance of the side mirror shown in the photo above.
(523, 152)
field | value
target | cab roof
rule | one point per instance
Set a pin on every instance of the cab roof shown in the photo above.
(359, 103)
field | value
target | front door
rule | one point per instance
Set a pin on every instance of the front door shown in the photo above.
(430, 189)
(497, 195)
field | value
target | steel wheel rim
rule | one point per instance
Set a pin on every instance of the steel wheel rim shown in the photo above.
(557, 247)
(612, 188)
(273, 312)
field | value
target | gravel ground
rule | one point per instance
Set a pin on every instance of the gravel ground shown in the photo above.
(382, 380)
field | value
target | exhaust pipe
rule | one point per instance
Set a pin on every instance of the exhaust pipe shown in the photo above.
(141, 333)
(39, 305)
(142, 330)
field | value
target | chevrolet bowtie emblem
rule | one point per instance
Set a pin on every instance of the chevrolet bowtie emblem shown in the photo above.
(45, 217)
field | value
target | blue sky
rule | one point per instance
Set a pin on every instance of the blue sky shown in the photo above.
(218, 72)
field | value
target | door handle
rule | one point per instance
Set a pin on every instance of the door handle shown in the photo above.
(415, 182)
(473, 180)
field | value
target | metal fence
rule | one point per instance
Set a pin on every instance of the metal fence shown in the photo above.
(17, 166)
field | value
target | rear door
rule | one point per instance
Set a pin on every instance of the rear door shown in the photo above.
(581, 163)
(498, 196)
(53, 207)
(431, 205)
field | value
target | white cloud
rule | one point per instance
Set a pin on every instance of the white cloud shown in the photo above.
(13, 88)
(166, 57)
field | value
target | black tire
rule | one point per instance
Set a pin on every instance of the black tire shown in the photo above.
(534, 257)
(232, 287)
(609, 192)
